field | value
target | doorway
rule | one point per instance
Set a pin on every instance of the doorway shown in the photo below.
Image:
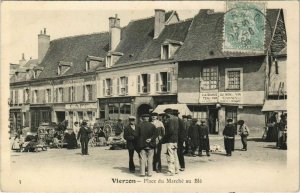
(60, 115)
(213, 122)
(143, 109)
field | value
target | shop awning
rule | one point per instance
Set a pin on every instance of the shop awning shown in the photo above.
(182, 108)
(274, 105)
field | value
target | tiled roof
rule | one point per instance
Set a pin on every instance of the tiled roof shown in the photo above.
(31, 63)
(74, 50)
(137, 42)
(205, 37)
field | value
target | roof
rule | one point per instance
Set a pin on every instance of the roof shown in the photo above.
(31, 63)
(205, 37)
(74, 50)
(274, 105)
(137, 42)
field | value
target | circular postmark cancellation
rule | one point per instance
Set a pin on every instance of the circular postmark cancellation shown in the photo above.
(244, 27)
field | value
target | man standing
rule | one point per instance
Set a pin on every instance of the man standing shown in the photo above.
(160, 131)
(194, 136)
(130, 137)
(171, 139)
(146, 135)
(228, 133)
(84, 136)
(243, 132)
(187, 123)
(182, 136)
(204, 139)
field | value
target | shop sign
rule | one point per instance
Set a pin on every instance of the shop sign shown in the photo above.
(230, 97)
(81, 106)
(221, 97)
(116, 100)
(208, 97)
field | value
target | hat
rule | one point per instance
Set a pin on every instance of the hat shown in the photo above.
(168, 110)
(189, 116)
(240, 122)
(195, 120)
(162, 114)
(145, 115)
(154, 114)
(202, 121)
(76, 122)
(184, 116)
(229, 120)
(131, 118)
(84, 123)
(175, 112)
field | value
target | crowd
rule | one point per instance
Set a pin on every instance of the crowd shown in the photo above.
(180, 135)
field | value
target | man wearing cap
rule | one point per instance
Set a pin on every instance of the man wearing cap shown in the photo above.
(243, 132)
(84, 135)
(130, 137)
(171, 139)
(204, 139)
(160, 130)
(228, 133)
(182, 136)
(194, 136)
(146, 136)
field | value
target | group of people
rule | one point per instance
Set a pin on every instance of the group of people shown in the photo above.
(277, 130)
(180, 135)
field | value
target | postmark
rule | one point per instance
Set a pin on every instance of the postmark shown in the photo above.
(244, 27)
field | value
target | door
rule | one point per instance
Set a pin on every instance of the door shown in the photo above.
(213, 122)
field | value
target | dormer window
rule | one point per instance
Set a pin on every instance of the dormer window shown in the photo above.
(37, 71)
(169, 48)
(92, 62)
(112, 58)
(108, 61)
(63, 67)
(165, 52)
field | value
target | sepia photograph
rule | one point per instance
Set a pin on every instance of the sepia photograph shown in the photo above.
(150, 96)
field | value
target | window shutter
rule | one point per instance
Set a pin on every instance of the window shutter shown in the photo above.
(157, 81)
(118, 86)
(103, 88)
(54, 95)
(139, 83)
(111, 86)
(126, 85)
(70, 93)
(83, 92)
(148, 83)
(169, 78)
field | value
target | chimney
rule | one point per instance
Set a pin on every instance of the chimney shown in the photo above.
(43, 45)
(23, 60)
(114, 32)
(159, 23)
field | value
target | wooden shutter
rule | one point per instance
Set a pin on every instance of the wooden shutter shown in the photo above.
(94, 92)
(70, 93)
(126, 85)
(139, 83)
(118, 86)
(83, 92)
(103, 88)
(148, 83)
(17, 96)
(169, 78)
(54, 95)
(157, 82)
(111, 86)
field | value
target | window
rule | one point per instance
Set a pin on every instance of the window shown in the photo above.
(48, 96)
(233, 78)
(231, 113)
(72, 94)
(80, 116)
(144, 83)
(125, 108)
(113, 110)
(122, 85)
(88, 93)
(102, 111)
(59, 94)
(165, 52)
(198, 112)
(108, 61)
(107, 87)
(35, 94)
(163, 81)
(87, 66)
(209, 78)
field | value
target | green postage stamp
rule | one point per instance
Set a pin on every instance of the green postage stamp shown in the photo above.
(244, 27)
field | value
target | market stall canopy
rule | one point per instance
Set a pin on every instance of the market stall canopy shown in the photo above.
(274, 105)
(182, 108)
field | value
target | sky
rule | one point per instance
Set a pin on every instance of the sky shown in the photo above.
(22, 23)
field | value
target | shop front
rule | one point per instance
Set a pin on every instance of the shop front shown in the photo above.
(81, 111)
(39, 114)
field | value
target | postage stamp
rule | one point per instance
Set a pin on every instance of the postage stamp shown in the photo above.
(244, 27)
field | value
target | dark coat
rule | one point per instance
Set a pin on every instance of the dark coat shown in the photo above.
(84, 133)
(229, 130)
(204, 138)
(144, 131)
(172, 129)
(183, 130)
(130, 137)
(194, 134)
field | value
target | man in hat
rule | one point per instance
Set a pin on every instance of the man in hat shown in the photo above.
(130, 137)
(243, 132)
(194, 136)
(160, 130)
(146, 135)
(171, 139)
(84, 136)
(204, 139)
(228, 133)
